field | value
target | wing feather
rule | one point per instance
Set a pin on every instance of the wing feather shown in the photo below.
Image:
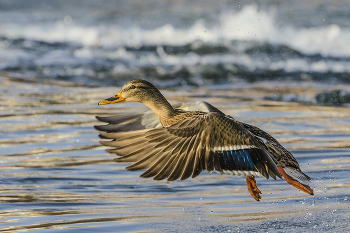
(169, 166)
(192, 159)
(188, 147)
(148, 159)
(179, 167)
(157, 165)
(198, 168)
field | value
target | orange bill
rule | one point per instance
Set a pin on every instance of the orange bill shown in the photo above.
(114, 99)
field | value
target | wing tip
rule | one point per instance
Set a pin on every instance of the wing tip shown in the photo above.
(100, 118)
(99, 127)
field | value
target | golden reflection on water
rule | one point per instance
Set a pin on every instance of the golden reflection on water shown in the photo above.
(54, 173)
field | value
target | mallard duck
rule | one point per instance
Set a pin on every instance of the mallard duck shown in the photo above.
(179, 141)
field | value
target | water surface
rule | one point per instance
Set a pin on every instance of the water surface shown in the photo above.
(56, 176)
(282, 66)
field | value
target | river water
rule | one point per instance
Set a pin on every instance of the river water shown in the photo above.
(282, 66)
(55, 175)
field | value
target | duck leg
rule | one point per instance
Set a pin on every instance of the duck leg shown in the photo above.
(295, 183)
(253, 190)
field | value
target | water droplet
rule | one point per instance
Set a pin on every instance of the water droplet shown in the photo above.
(67, 19)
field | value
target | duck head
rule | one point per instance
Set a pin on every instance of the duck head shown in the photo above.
(135, 91)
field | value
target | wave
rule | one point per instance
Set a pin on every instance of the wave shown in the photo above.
(334, 97)
(239, 46)
(193, 64)
(249, 24)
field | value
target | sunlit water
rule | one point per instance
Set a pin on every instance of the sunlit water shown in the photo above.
(55, 175)
(282, 66)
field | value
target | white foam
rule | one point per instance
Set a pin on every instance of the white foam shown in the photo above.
(292, 65)
(249, 24)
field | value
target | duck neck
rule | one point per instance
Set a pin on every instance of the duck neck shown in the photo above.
(162, 108)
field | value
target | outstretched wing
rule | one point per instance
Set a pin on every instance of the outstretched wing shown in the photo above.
(203, 142)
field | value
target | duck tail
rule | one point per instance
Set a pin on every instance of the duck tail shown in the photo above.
(298, 175)
(296, 178)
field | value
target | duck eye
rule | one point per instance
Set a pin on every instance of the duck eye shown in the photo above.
(132, 87)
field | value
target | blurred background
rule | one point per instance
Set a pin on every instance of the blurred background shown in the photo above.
(283, 66)
(177, 43)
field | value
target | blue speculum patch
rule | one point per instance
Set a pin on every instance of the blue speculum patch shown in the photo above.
(236, 160)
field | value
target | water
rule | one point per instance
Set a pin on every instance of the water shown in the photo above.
(55, 175)
(283, 67)
(109, 42)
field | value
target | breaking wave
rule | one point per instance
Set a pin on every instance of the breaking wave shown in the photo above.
(249, 24)
(248, 45)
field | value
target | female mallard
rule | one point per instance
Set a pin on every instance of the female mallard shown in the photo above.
(183, 140)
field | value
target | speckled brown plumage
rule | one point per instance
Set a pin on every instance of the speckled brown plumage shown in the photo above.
(182, 141)
(185, 147)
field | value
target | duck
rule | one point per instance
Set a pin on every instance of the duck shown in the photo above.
(182, 140)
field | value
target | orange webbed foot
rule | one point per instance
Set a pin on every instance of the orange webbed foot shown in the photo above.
(253, 190)
(295, 183)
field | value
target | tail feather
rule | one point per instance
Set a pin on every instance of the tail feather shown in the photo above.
(297, 175)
